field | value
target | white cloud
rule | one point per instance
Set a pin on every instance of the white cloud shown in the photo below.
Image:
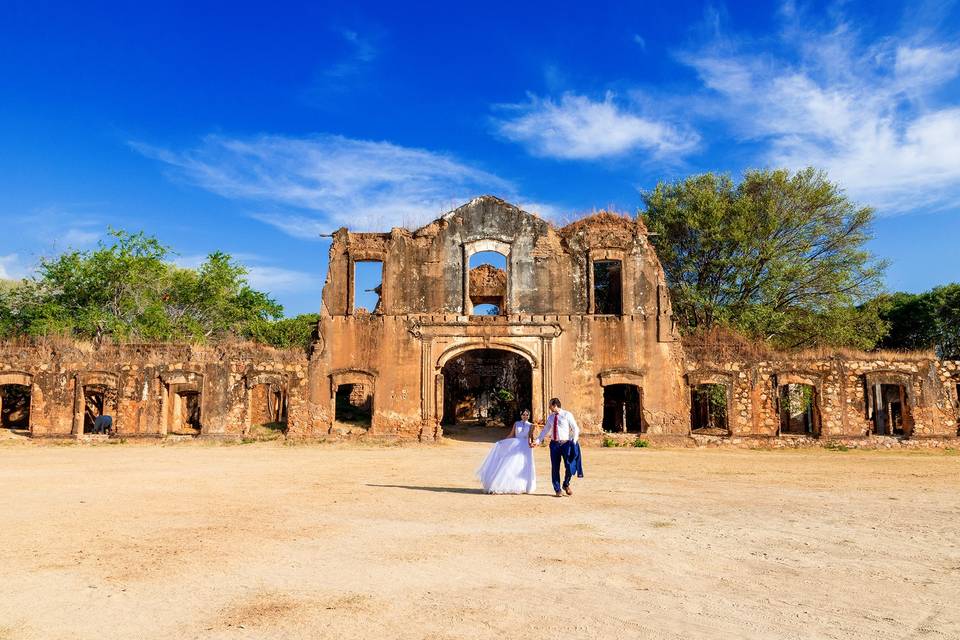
(361, 52)
(316, 184)
(262, 277)
(10, 267)
(79, 238)
(276, 279)
(869, 114)
(578, 128)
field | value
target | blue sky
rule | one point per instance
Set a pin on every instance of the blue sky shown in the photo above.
(252, 128)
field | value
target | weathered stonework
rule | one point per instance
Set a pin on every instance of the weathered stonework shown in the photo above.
(584, 315)
(143, 382)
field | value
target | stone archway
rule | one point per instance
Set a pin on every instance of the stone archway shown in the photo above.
(483, 387)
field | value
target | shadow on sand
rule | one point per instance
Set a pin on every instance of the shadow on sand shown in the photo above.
(434, 489)
(473, 432)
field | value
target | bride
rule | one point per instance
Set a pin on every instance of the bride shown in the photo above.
(508, 468)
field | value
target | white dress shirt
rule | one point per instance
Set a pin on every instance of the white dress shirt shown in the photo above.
(567, 427)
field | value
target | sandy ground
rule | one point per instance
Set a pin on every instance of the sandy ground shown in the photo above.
(274, 541)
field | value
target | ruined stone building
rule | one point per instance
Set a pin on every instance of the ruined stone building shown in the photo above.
(452, 343)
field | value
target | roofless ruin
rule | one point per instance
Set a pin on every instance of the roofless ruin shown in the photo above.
(453, 343)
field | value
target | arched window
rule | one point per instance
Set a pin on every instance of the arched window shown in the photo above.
(486, 286)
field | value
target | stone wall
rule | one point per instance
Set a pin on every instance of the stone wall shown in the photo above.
(145, 379)
(626, 366)
(844, 385)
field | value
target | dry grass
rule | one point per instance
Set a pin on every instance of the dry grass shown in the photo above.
(720, 344)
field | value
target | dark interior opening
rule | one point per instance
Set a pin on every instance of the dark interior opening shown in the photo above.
(623, 409)
(891, 415)
(98, 401)
(798, 409)
(187, 420)
(486, 388)
(708, 406)
(268, 406)
(15, 406)
(607, 287)
(354, 405)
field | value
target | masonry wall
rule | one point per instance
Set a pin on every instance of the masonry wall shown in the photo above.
(549, 318)
(843, 385)
(143, 376)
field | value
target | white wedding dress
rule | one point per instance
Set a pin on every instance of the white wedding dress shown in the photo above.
(509, 468)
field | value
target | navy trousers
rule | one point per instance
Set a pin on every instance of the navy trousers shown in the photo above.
(560, 451)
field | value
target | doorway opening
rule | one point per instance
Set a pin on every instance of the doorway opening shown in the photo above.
(99, 401)
(354, 405)
(798, 409)
(708, 406)
(890, 409)
(623, 409)
(268, 408)
(15, 406)
(484, 391)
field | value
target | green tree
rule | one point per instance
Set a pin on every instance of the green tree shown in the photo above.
(779, 256)
(127, 289)
(929, 320)
(296, 332)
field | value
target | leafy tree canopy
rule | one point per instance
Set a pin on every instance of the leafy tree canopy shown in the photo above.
(929, 320)
(128, 290)
(778, 257)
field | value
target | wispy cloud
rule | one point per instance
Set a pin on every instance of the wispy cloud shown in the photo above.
(79, 238)
(578, 128)
(307, 185)
(261, 275)
(361, 52)
(868, 112)
(280, 280)
(11, 268)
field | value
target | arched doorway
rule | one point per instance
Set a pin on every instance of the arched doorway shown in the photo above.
(484, 390)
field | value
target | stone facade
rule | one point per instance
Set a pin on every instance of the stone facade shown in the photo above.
(580, 312)
(151, 390)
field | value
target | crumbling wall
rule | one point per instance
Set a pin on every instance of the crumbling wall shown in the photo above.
(140, 375)
(842, 384)
(547, 318)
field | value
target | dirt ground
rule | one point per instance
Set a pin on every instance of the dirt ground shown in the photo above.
(323, 541)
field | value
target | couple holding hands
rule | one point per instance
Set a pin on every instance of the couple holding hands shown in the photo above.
(509, 467)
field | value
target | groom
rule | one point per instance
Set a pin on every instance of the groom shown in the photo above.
(564, 433)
